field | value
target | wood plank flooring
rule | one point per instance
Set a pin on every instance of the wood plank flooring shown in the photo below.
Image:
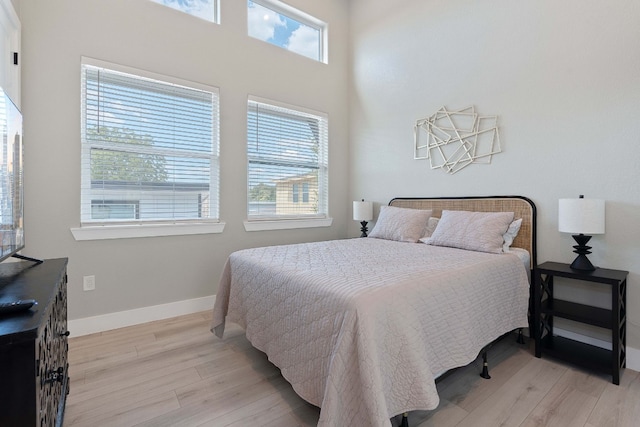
(174, 372)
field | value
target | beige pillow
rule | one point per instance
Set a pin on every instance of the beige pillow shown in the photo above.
(511, 234)
(431, 227)
(475, 231)
(401, 224)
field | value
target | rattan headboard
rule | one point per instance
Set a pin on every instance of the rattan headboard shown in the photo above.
(520, 206)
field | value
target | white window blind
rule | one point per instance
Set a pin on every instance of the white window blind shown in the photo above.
(287, 148)
(148, 141)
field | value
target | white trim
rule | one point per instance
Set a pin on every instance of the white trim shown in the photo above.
(582, 338)
(11, 13)
(295, 109)
(11, 43)
(106, 322)
(633, 355)
(292, 13)
(102, 232)
(633, 358)
(286, 224)
(121, 319)
(138, 72)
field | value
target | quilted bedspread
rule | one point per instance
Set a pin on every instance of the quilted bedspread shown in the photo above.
(361, 327)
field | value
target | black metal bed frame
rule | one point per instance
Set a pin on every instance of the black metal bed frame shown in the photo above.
(485, 367)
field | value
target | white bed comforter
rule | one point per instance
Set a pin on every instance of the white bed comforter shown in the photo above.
(360, 327)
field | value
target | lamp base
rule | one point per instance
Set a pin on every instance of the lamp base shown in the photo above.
(582, 262)
(364, 229)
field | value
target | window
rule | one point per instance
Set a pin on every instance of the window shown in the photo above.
(112, 209)
(295, 193)
(204, 9)
(305, 193)
(149, 148)
(288, 170)
(279, 24)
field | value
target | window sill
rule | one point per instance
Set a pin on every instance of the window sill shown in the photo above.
(287, 224)
(102, 232)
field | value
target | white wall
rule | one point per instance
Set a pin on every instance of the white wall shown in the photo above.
(133, 273)
(564, 78)
(9, 43)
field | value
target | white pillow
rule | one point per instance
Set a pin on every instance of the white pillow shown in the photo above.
(401, 224)
(511, 234)
(431, 227)
(475, 231)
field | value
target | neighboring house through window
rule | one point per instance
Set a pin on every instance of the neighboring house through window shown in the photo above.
(288, 167)
(149, 147)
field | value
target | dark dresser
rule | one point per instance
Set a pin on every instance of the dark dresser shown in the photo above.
(33, 344)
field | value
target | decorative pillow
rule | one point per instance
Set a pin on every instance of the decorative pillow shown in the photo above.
(511, 234)
(475, 231)
(401, 224)
(431, 226)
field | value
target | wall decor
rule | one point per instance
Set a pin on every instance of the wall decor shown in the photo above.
(454, 139)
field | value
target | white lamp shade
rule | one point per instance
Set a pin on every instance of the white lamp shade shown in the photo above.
(581, 216)
(362, 211)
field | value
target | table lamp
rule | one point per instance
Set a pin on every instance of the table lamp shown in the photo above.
(363, 212)
(581, 217)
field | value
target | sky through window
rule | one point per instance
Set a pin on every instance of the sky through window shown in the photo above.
(204, 9)
(284, 31)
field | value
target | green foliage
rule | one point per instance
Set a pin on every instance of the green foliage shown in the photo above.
(114, 165)
(263, 193)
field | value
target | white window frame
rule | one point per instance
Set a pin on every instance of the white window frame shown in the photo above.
(303, 18)
(262, 223)
(216, 11)
(96, 230)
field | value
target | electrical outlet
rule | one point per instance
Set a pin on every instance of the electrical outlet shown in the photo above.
(89, 283)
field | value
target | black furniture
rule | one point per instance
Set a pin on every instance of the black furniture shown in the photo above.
(33, 344)
(547, 307)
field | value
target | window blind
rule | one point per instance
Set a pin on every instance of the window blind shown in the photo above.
(288, 161)
(149, 148)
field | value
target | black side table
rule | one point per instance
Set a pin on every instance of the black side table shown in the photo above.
(546, 307)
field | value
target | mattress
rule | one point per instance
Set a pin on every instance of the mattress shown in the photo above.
(361, 327)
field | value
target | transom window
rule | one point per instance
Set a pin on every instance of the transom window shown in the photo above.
(204, 9)
(149, 147)
(288, 167)
(281, 25)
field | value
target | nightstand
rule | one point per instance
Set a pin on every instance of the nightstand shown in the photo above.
(546, 307)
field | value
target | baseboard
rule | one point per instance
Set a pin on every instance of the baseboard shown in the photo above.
(633, 355)
(121, 319)
(582, 338)
(633, 358)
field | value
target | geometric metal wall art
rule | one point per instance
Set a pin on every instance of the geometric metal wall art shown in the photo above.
(452, 140)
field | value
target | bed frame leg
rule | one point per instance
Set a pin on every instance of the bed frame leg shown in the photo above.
(485, 366)
(520, 339)
(405, 420)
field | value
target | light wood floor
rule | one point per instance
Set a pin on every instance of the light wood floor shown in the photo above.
(176, 373)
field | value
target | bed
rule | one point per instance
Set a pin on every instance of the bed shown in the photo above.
(362, 327)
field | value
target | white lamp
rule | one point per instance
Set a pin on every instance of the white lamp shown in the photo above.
(363, 211)
(582, 218)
